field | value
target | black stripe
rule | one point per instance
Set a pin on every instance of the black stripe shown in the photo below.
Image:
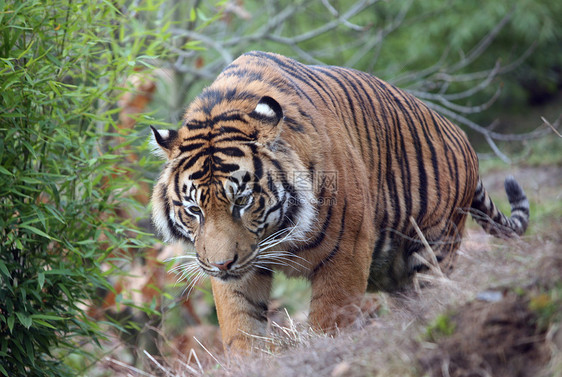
(418, 147)
(368, 113)
(228, 129)
(351, 108)
(258, 167)
(187, 163)
(520, 209)
(382, 126)
(234, 70)
(377, 250)
(231, 151)
(320, 235)
(293, 124)
(521, 218)
(259, 306)
(336, 248)
(262, 271)
(227, 168)
(228, 117)
(296, 71)
(200, 173)
(209, 99)
(258, 316)
(177, 185)
(190, 147)
(171, 226)
(260, 206)
(416, 108)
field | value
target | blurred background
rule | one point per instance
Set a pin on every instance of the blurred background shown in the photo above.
(84, 285)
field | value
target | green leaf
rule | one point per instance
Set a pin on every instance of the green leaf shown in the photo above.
(24, 320)
(31, 181)
(65, 290)
(37, 231)
(11, 320)
(43, 323)
(41, 279)
(4, 269)
(47, 317)
(4, 171)
(29, 349)
(60, 271)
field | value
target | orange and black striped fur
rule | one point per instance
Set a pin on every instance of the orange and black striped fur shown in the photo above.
(319, 172)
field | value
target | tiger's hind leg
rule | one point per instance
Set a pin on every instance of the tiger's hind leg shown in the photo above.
(399, 256)
(389, 270)
(436, 250)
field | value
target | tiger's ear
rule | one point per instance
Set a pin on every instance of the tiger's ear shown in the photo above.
(269, 112)
(163, 142)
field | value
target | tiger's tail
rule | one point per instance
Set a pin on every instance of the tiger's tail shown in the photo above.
(489, 217)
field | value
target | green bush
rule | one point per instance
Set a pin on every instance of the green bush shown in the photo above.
(62, 177)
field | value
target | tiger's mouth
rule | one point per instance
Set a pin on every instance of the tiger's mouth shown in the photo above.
(226, 275)
(236, 270)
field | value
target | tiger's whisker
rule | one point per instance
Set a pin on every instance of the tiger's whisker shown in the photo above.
(179, 257)
(183, 266)
(273, 236)
(271, 243)
(287, 254)
(285, 262)
(258, 265)
(200, 275)
(185, 271)
(280, 231)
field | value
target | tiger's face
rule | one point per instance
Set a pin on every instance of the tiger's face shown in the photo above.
(224, 190)
(226, 218)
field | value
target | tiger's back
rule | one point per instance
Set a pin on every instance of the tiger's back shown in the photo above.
(332, 168)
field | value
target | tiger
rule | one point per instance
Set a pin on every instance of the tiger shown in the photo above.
(319, 172)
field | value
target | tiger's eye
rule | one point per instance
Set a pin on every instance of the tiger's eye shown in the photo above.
(242, 200)
(195, 209)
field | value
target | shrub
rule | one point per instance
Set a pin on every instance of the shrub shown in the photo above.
(62, 178)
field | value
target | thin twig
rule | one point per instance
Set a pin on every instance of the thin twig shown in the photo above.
(428, 248)
(157, 363)
(131, 368)
(551, 126)
(210, 354)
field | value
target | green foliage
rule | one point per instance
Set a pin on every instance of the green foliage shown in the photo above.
(442, 325)
(435, 30)
(391, 39)
(547, 306)
(62, 172)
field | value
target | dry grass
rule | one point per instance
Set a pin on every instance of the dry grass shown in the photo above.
(396, 342)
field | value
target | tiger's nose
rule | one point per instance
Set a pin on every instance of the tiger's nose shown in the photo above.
(224, 265)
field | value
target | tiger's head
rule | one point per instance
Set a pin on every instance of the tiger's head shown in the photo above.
(232, 187)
